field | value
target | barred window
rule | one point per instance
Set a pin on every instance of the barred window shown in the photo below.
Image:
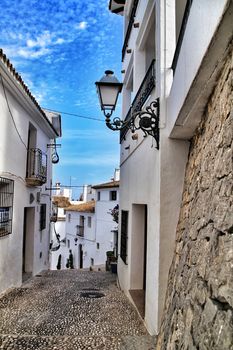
(42, 217)
(6, 205)
(124, 235)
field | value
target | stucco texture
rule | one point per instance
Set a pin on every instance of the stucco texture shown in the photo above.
(199, 302)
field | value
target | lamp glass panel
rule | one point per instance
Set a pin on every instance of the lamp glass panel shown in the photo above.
(109, 96)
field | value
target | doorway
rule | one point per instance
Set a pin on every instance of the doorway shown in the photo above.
(28, 242)
(80, 256)
(138, 264)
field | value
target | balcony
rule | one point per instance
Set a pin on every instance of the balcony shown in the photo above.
(80, 230)
(129, 28)
(36, 167)
(142, 95)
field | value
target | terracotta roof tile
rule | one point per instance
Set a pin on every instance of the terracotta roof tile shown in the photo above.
(88, 207)
(107, 185)
(61, 202)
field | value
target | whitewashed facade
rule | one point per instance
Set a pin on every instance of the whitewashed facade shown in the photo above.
(169, 49)
(25, 173)
(89, 228)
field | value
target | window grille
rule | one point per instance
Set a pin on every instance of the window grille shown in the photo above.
(113, 195)
(42, 217)
(6, 205)
(124, 235)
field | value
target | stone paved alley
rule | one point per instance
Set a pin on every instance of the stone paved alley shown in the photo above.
(51, 312)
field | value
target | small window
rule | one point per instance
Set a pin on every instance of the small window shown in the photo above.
(69, 217)
(6, 205)
(42, 217)
(92, 262)
(98, 196)
(68, 243)
(89, 221)
(97, 245)
(113, 195)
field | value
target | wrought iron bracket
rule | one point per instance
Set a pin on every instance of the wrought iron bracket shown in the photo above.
(146, 120)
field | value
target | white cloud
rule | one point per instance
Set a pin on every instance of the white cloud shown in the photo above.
(59, 41)
(27, 53)
(42, 40)
(81, 25)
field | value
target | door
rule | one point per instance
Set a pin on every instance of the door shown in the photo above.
(80, 256)
(28, 241)
(138, 259)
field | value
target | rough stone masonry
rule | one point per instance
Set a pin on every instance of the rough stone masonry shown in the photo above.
(199, 302)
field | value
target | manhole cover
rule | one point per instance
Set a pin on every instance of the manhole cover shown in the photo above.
(92, 295)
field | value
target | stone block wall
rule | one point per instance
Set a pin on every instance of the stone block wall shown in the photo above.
(199, 302)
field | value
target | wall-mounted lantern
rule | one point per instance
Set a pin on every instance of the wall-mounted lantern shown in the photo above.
(108, 89)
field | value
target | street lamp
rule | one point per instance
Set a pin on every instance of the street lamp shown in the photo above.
(108, 89)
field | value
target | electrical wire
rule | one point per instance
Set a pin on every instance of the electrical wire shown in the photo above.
(74, 114)
(12, 117)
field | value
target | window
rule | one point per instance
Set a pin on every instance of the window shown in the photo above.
(69, 217)
(113, 195)
(92, 262)
(42, 217)
(182, 9)
(97, 245)
(6, 205)
(81, 220)
(124, 235)
(89, 221)
(80, 227)
(98, 196)
(68, 243)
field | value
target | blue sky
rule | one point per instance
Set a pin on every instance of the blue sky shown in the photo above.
(61, 47)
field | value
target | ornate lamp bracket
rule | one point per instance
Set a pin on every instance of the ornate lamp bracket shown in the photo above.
(146, 120)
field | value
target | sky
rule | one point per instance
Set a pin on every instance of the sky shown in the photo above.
(60, 48)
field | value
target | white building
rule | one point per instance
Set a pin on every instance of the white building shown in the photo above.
(89, 227)
(170, 48)
(26, 135)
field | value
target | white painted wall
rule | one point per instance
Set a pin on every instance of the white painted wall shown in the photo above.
(101, 232)
(13, 160)
(194, 47)
(150, 177)
(104, 223)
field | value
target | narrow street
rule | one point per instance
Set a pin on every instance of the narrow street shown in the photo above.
(70, 309)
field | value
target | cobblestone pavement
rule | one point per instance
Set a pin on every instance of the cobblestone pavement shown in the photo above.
(50, 312)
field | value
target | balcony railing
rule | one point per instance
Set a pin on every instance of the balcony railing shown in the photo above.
(142, 95)
(36, 167)
(129, 28)
(80, 230)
